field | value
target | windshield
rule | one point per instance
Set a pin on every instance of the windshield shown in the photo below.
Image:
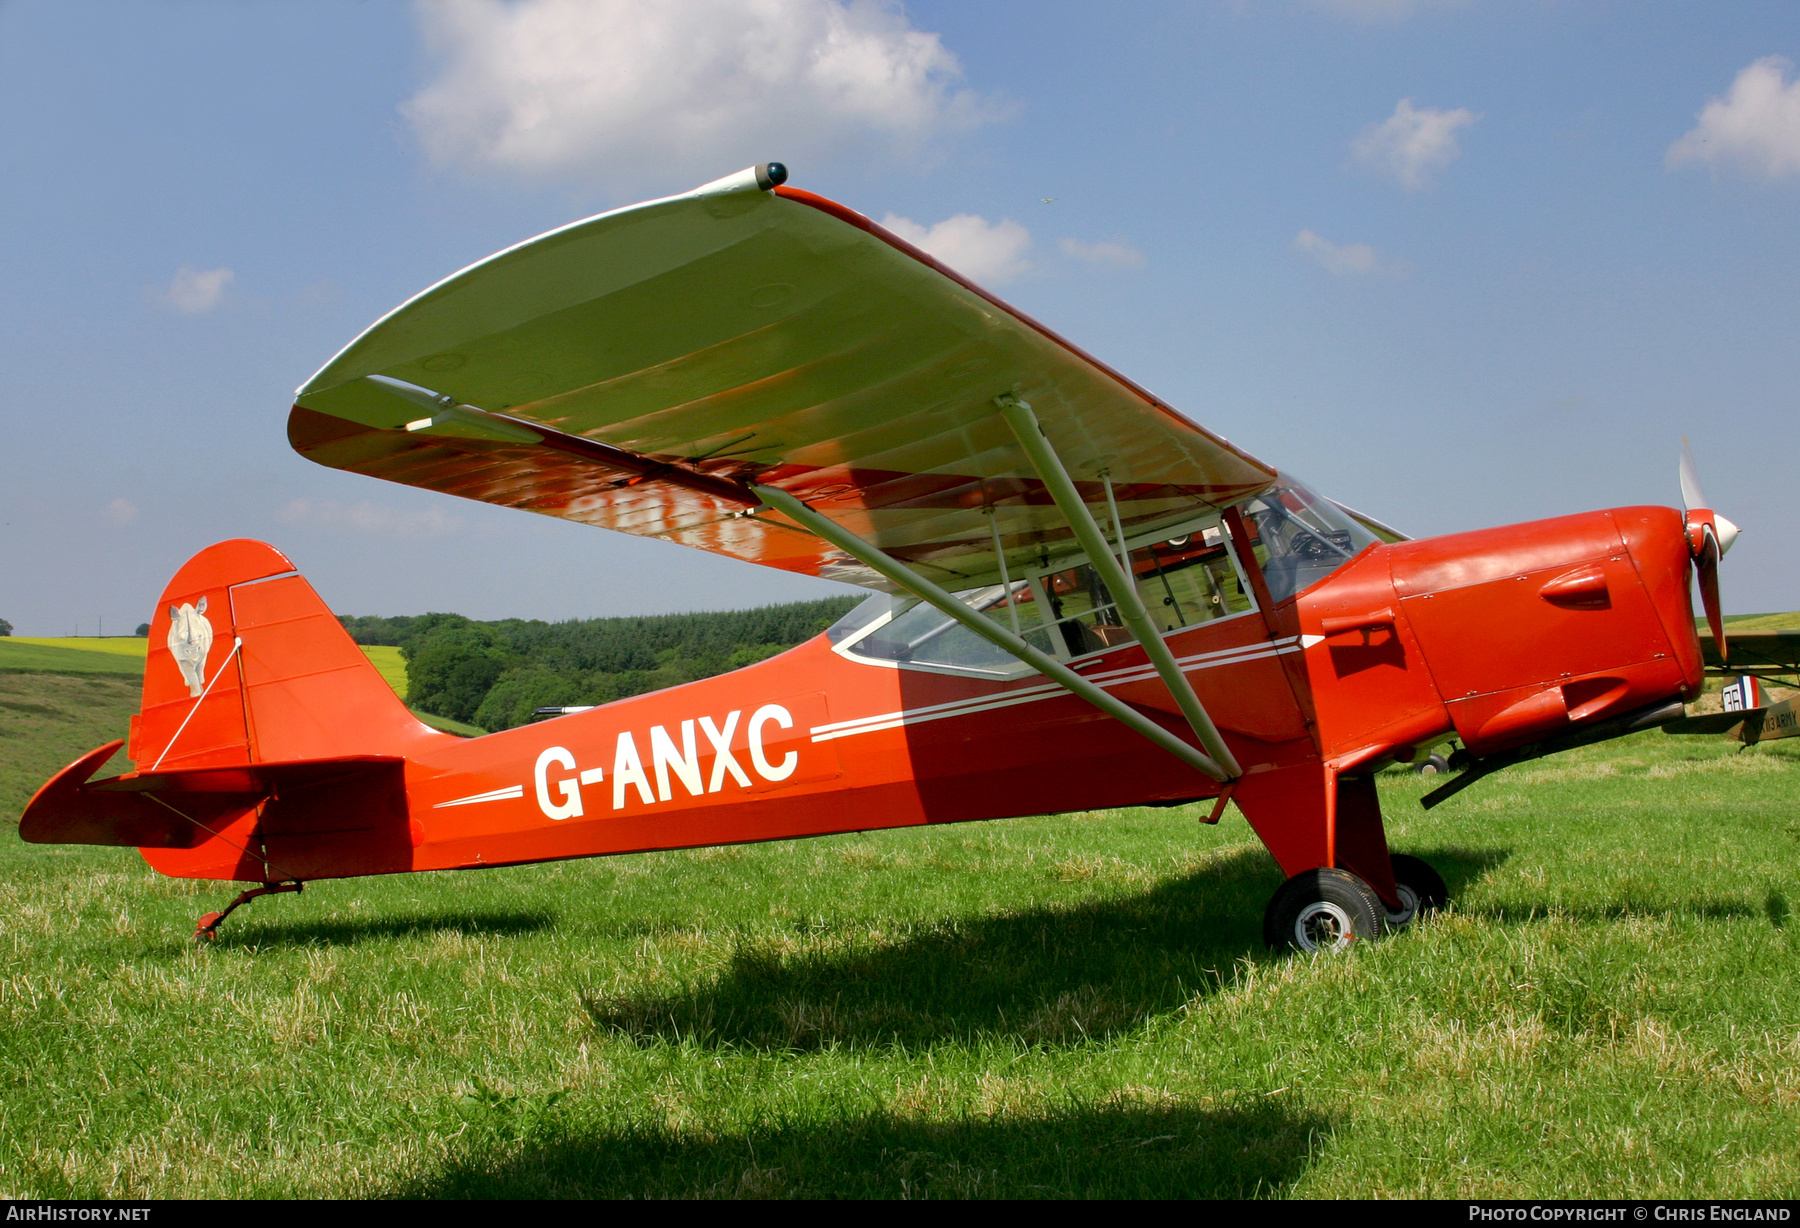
(1060, 607)
(862, 614)
(920, 634)
(1301, 537)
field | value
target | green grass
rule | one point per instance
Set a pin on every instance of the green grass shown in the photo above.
(1759, 622)
(1071, 1005)
(446, 725)
(47, 721)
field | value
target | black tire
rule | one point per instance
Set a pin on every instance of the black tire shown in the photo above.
(1323, 910)
(1431, 765)
(1422, 891)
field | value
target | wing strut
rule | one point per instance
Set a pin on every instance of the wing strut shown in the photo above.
(991, 631)
(1049, 466)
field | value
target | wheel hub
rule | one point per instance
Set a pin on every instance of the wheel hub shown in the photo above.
(1409, 907)
(1323, 926)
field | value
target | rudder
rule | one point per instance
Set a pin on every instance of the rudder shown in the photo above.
(247, 665)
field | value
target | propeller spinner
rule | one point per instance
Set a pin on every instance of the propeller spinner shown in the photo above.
(1709, 536)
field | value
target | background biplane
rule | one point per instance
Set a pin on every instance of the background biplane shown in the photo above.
(1081, 599)
(1748, 716)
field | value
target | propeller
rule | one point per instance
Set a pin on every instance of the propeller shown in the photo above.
(1709, 536)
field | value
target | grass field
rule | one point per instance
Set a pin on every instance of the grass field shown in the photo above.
(1071, 1005)
(1758, 622)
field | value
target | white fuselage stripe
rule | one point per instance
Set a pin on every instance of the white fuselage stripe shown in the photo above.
(982, 703)
(495, 795)
(1050, 690)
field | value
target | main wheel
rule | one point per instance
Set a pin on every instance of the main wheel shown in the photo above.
(1421, 889)
(1322, 910)
(1431, 765)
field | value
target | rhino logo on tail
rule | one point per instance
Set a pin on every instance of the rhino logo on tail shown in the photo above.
(190, 639)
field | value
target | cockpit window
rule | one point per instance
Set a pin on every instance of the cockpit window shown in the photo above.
(1190, 579)
(920, 634)
(1300, 537)
(1062, 607)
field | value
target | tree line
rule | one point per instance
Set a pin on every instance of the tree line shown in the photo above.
(495, 674)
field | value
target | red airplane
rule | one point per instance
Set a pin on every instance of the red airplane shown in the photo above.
(1082, 600)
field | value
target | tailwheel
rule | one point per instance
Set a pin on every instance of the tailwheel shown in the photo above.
(1323, 910)
(1421, 888)
(207, 928)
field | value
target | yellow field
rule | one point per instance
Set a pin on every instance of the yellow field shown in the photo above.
(392, 668)
(387, 661)
(124, 645)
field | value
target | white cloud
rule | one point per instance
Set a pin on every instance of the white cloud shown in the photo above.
(1412, 143)
(1370, 12)
(121, 512)
(624, 93)
(1115, 252)
(198, 290)
(987, 253)
(1755, 127)
(1347, 259)
(369, 518)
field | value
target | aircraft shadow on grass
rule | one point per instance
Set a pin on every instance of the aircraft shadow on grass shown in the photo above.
(1046, 976)
(351, 931)
(1113, 1151)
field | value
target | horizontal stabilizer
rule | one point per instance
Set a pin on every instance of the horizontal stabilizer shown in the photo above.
(66, 811)
(178, 809)
(260, 778)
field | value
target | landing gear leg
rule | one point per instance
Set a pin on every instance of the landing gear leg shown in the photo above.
(1421, 888)
(1323, 910)
(207, 928)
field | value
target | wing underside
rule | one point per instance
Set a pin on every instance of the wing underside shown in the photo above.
(1753, 652)
(636, 371)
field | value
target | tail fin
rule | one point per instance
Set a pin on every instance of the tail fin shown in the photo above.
(269, 748)
(246, 665)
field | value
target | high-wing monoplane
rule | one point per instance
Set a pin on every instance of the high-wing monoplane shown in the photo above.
(1079, 598)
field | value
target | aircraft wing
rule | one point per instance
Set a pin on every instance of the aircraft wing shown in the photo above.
(1753, 652)
(1708, 722)
(636, 370)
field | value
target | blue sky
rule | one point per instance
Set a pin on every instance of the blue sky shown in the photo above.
(1457, 264)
